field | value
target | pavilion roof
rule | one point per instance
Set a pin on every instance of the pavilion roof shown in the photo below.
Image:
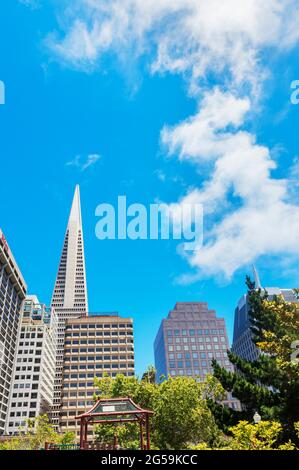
(114, 409)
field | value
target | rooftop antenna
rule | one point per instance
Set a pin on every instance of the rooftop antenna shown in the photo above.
(257, 281)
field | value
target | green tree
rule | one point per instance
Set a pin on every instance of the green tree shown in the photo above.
(247, 436)
(150, 375)
(269, 385)
(181, 415)
(35, 434)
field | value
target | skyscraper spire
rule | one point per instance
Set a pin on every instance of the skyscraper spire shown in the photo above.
(75, 214)
(70, 291)
(256, 278)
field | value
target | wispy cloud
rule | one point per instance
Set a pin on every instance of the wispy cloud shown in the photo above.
(30, 3)
(252, 213)
(160, 175)
(82, 164)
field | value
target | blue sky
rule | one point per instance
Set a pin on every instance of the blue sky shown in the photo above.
(167, 125)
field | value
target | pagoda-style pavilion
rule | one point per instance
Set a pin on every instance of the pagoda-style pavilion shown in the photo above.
(116, 411)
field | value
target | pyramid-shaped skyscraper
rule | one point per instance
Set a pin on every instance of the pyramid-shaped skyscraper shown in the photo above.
(70, 291)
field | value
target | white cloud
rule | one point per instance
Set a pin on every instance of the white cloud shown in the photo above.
(30, 3)
(160, 175)
(195, 36)
(251, 211)
(201, 136)
(83, 164)
(264, 222)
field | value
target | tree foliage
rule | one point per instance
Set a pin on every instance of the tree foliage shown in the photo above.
(181, 415)
(33, 437)
(271, 383)
(247, 436)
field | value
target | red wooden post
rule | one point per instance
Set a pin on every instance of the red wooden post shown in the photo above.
(85, 431)
(141, 435)
(82, 433)
(148, 442)
(46, 445)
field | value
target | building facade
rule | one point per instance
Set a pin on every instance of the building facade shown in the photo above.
(12, 294)
(187, 341)
(70, 291)
(34, 368)
(94, 345)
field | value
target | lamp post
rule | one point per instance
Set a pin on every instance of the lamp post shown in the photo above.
(257, 418)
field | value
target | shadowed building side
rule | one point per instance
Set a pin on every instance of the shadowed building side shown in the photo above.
(12, 294)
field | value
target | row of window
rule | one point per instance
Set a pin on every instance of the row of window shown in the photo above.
(200, 339)
(194, 363)
(98, 333)
(200, 347)
(190, 372)
(24, 395)
(196, 355)
(19, 424)
(38, 352)
(81, 367)
(26, 385)
(97, 358)
(92, 348)
(31, 404)
(90, 326)
(30, 335)
(192, 332)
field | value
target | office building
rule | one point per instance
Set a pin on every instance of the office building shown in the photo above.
(70, 291)
(94, 345)
(12, 294)
(243, 345)
(34, 367)
(187, 341)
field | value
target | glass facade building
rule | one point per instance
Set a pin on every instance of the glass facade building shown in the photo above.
(187, 341)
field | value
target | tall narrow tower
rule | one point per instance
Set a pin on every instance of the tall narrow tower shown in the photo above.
(70, 291)
(257, 281)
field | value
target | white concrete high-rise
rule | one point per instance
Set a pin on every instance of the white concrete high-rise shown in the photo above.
(34, 365)
(70, 291)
